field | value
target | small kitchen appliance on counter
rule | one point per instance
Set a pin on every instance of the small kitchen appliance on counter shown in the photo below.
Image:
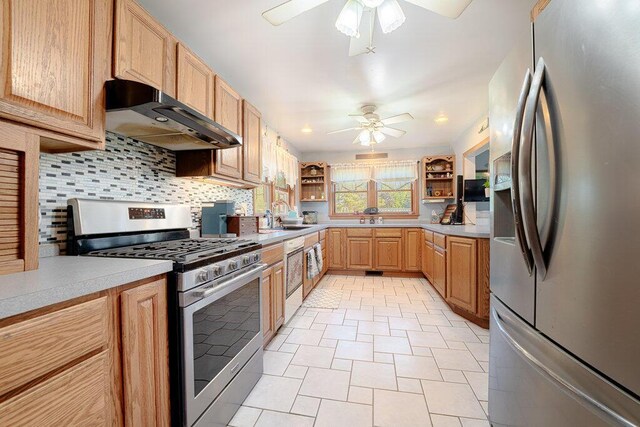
(242, 225)
(309, 217)
(214, 218)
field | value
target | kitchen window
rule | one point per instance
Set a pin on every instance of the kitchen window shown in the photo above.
(390, 186)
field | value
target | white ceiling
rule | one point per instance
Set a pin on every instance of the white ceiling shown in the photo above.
(300, 73)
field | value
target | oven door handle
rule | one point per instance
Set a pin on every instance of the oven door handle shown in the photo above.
(231, 284)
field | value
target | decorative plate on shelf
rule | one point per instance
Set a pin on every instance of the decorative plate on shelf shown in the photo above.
(438, 168)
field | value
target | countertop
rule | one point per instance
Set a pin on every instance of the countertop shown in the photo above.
(61, 278)
(473, 231)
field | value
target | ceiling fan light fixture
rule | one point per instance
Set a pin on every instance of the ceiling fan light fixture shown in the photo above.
(349, 19)
(378, 136)
(364, 137)
(390, 15)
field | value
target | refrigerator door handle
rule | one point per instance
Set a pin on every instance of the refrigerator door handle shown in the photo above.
(515, 172)
(529, 209)
(555, 378)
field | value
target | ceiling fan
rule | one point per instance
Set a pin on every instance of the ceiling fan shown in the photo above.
(372, 128)
(362, 13)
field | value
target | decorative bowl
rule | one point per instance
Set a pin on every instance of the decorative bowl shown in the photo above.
(438, 168)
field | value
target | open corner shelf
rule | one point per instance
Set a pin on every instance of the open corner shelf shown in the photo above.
(438, 178)
(313, 181)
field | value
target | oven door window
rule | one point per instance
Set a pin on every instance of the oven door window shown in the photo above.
(222, 329)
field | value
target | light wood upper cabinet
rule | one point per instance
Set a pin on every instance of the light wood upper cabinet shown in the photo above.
(266, 292)
(195, 82)
(145, 357)
(388, 253)
(279, 295)
(439, 271)
(412, 244)
(144, 50)
(251, 143)
(360, 253)
(461, 272)
(336, 237)
(55, 60)
(228, 113)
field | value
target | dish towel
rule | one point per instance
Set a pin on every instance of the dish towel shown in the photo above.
(312, 265)
(318, 251)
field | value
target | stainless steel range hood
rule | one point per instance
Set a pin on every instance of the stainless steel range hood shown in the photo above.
(147, 114)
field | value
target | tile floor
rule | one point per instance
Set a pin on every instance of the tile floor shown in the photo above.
(393, 354)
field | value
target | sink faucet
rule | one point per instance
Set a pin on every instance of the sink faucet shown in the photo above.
(274, 217)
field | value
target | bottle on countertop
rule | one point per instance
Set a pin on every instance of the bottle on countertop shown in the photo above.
(380, 220)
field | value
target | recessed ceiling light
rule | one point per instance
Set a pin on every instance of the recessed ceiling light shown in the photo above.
(306, 129)
(441, 119)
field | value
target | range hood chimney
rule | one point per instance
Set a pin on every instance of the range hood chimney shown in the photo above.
(147, 114)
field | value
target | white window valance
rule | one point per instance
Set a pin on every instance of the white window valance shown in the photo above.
(405, 171)
(277, 160)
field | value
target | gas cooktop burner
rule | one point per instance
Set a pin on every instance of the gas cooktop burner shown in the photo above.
(182, 251)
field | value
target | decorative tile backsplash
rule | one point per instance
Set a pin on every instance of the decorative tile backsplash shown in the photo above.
(126, 170)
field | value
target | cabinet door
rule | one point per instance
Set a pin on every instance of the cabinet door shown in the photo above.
(336, 244)
(195, 82)
(145, 354)
(278, 295)
(412, 242)
(252, 147)
(144, 50)
(428, 258)
(388, 254)
(439, 271)
(266, 295)
(228, 113)
(55, 59)
(461, 273)
(360, 253)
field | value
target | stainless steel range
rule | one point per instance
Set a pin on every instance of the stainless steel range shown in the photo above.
(214, 299)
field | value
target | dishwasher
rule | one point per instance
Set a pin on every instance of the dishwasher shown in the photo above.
(293, 270)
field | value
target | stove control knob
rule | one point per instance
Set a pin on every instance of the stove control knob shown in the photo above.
(233, 265)
(256, 257)
(246, 260)
(203, 276)
(216, 271)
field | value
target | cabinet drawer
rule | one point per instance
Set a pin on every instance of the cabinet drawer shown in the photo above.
(77, 396)
(322, 234)
(428, 235)
(310, 239)
(439, 240)
(388, 232)
(273, 254)
(359, 232)
(34, 347)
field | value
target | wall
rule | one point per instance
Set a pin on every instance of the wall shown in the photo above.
(125, 170)
(349, 157)
(475, 212)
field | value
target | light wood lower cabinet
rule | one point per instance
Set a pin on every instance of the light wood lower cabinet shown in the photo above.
(307, 284)
(266, 293)
(98, 360)
(461, 272)
(145, 354)
(439, 270)
(336, 248)
(427, 260)
(388, 253)
(273, 300)
(360, 253)
(412, 245)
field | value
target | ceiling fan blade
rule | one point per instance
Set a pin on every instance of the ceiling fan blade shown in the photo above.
(397, 119)
(289, 10)
(396, 133)
(364, 43)
(449, 8)
(360, 118)
(342, 130)
(357, 140)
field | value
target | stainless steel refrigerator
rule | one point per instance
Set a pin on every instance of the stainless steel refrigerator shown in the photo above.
(565, 234)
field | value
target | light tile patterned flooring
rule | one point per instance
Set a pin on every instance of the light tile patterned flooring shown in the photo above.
(393, 354)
